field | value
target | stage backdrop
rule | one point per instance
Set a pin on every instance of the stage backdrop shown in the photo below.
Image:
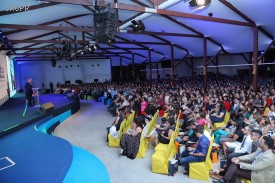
(11, 77)
(3, 79)
(42, 72)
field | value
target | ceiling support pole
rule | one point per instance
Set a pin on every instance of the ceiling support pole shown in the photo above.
(111, 65)
(172, 62)
(150, 65)
(120, 69)
(205, 64)
(192, 68)
(217, 68)
(133, 67)
(255, 59)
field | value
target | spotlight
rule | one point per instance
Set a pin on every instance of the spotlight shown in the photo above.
(81, 52)
(199, 2)
(109, 42)
(138, 26)
(95, 47)
(89, 49)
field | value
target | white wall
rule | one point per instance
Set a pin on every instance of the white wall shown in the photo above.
(183, 69)
(223, 60)
(43, 72)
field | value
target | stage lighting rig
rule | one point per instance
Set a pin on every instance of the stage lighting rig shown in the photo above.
(5, 43)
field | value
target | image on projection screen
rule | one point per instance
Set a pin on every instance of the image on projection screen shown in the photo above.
(3, 79)
(11, 78)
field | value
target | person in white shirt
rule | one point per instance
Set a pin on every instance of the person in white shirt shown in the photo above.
(245, 147)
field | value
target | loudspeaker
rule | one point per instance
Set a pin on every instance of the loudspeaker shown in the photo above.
(104, 22)
(53, 61)
(46, 107)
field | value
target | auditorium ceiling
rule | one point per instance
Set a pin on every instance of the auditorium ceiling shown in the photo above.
(173, 29)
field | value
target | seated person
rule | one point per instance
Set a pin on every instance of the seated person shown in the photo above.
(197, 154)
(114, 128)
(189, 137)
(158, 128)
(236, 139)
(264, 125)
(130, 141)
(227, 130)
(124, 103)
(164, 136)
(246, 145)
(258, 167)
(217, 115)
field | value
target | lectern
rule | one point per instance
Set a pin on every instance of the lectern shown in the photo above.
(36, 97)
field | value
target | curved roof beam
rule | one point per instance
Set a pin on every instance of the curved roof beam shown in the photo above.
(48, 23)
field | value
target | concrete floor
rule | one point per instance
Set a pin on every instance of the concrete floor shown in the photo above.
(87, 129)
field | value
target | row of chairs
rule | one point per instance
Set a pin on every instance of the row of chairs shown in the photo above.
(125, 125)
(164, 152)
(143, 146)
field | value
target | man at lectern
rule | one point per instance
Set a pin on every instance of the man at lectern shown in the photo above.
(28, 91)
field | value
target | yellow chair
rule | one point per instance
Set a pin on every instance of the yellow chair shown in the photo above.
(207, 129)
(129, 121)
(164, 147)
(209, 161)
(225, 121)
(153, 123)
(266, 110)
(143, 146)
(160, 159)
(115, 142)
(200, 170)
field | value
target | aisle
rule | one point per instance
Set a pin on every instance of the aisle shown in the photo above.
(87, 129)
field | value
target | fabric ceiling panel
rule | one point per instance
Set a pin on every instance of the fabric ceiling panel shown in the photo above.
(158, 23)
(217, 9)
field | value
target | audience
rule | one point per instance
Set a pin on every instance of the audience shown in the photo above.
(258, 167)
(252, 116)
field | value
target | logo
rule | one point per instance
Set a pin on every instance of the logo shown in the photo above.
(20, 5)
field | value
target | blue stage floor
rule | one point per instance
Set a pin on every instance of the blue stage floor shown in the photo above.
(32, 156)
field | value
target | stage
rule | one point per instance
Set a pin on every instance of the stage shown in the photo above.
(11, 113)
(29, 154)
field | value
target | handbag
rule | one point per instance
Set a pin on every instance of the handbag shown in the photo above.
(173, 167)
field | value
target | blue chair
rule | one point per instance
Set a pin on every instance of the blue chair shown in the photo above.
(109, 101)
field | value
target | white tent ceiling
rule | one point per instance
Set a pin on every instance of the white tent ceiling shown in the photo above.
(230, 27)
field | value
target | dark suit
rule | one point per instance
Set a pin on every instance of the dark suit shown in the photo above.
(28, 92)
